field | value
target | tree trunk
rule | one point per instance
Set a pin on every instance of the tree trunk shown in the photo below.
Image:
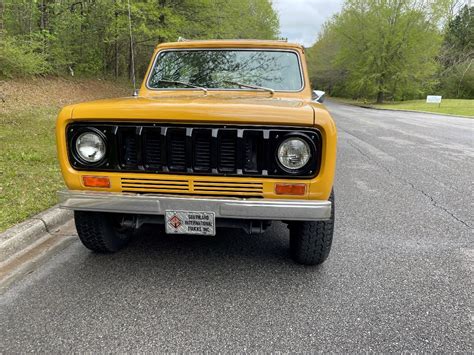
(2, 10)
(43, 8)
(130, 60)
(116, 45)
(116, 69)
(43, 21)
(381, 88)
(380, 97)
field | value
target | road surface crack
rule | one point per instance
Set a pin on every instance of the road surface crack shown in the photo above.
(405, 181)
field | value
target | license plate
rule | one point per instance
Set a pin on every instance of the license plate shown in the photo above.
(190, 222)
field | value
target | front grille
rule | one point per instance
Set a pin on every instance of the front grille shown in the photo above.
(195, 150)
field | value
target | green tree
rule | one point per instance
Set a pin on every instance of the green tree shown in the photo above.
(91, 37)
(321, 58)
(457, 56)
(382, 48)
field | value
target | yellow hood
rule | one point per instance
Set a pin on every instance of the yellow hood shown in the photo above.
(213, 108)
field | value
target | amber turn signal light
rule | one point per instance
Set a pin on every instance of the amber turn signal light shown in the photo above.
(96, 181)
(290, 189)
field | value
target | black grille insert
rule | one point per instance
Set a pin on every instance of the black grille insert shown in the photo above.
(176, 139)
(128, 145)
(152, 154)
(201, 150)
(227, 143)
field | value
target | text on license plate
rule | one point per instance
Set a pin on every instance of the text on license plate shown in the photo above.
(190, 222)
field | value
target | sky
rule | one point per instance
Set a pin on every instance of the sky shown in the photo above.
(301, 20)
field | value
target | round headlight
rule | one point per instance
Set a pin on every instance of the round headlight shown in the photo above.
(90, 147)
(294, 153)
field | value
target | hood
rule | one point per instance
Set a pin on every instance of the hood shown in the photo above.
(203, 109)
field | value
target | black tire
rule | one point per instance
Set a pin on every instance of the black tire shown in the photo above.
(101, 232)
(310, 242)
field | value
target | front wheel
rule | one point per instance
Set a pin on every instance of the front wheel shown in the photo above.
(101, 232)
(310, 242)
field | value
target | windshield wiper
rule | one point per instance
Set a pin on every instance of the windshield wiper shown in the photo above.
(190, 85)
(256, 87)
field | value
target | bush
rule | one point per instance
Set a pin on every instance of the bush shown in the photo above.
(19, 58)
(458, 81)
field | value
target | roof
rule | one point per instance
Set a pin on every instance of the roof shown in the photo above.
(219, 43)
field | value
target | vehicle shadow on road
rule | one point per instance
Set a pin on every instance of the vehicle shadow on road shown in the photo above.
(231, 254)
(227, 243)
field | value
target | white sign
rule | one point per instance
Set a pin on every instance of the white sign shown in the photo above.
(432, 99)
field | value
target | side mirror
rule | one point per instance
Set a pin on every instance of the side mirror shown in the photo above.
(135, 92)
(318, 96)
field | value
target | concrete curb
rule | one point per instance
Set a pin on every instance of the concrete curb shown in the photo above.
(400, 110)
(22, 235)
(26, 245)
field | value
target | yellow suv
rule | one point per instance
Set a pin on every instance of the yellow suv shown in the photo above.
(220, 134)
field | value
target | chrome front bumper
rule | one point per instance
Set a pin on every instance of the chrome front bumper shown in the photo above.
(223, 207)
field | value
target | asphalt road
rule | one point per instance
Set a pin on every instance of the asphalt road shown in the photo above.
(399, 277)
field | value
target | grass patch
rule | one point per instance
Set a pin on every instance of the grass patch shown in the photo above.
(448, 106)
(350, 101)
(29, 171)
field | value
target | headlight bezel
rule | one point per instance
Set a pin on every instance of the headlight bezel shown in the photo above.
(80, 154)
(311, 166)
(79, 161)
(305, 146)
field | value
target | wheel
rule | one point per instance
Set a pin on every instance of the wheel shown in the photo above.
(310, 242)
(101, 232)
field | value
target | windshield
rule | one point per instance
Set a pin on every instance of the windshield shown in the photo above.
(227, 69)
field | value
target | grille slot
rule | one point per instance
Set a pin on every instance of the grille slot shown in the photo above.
(228, 187)
(129, 153)
(202, 148)
(152, 149)
(227, 151)
(252, 151)
(176, 139)
(154, 185)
